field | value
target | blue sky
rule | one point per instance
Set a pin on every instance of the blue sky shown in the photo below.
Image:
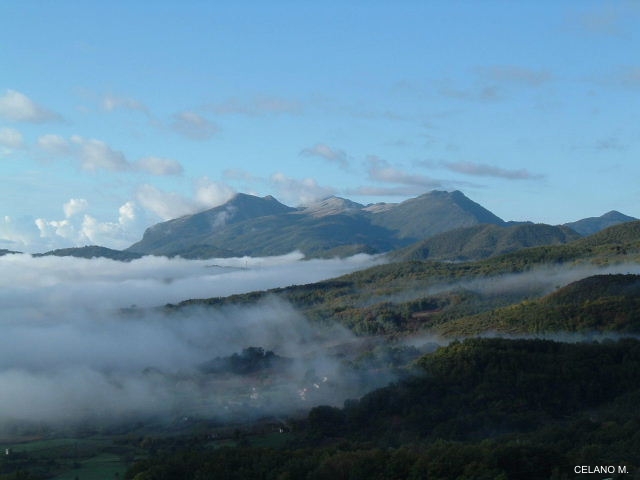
(117, 115)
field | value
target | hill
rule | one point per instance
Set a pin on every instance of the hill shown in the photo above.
(400, 298)
(598, 303)
(483, 241)
(588, 226)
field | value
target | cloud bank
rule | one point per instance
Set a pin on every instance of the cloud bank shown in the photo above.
(72, 353)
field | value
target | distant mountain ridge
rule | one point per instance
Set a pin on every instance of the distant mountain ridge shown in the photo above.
(249, 225)
(590, 225)
(91, 251)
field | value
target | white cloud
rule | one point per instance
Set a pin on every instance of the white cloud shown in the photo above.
(97, 155)
(53, 144)
(75, 206)
(210, 194)
(193, 126)
(380, 170)
(169, 205)
(94, 155)
(78, 230)
(60, 232)
(16, 106)
(159, 166)
(17, 234)
(166, 205)
(11, 138)
(114, 102)
(297, 191)
(325, 151)
(127, 213)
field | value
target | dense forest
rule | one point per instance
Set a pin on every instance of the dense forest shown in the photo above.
(478, 409)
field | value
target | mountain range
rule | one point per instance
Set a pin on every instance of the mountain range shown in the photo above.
(249, 225)
(437, 225)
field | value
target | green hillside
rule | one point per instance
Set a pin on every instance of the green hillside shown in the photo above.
(599, 303)
(406, 297)
(483, 241)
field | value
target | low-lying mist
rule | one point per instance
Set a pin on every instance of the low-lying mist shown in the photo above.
(69, 355)
(538, 281)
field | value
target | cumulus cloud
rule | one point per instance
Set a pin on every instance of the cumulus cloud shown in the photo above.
(17, 107)
(193, 126)
(299, 191)
(485, 170)
(60, 229)
(210, 194)
(324, 151)
(91, 362)
(168, 205)
(11, 138)
(74, 206)
(80, 228)
(159, 166)
(114, 234)
(126, 213)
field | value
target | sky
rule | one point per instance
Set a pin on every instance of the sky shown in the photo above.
(117, 115)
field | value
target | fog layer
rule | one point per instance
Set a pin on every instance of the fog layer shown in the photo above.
(69, 356)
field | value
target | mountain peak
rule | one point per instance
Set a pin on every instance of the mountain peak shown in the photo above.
(590, 225)
(616, 215)
(331, 206)
(432, 213)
